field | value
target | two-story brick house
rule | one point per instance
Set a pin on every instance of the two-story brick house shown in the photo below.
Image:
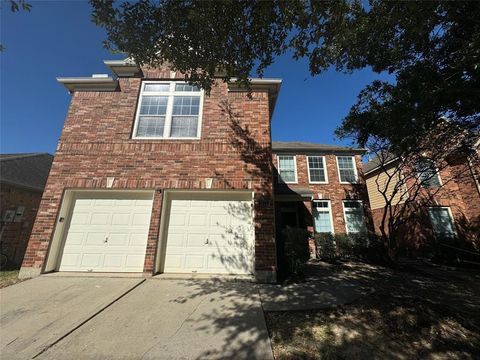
(152, 175)
(319, 187)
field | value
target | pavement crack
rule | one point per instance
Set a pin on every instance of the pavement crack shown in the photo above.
(103, 308)
(188, 316)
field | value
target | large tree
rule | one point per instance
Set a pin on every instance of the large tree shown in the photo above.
(432, 49)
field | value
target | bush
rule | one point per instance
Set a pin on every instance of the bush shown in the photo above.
(345, 246)
(326, 248)
(296, 250)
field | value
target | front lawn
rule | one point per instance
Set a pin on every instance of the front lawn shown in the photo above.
(409, 316)
(8, 278)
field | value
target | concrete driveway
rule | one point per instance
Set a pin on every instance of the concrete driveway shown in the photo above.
(127, 318)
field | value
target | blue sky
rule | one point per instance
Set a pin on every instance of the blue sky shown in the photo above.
(57, 38)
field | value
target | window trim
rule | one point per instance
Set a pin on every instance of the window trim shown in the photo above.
(452, 219)
(324, 160)
(354, 170)
(440, 183)
(329, 202)
(168, 114)
(345, 215)
(280, 180)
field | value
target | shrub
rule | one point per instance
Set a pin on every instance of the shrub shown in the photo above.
(296, 250)
(343, 246)
(326, 246)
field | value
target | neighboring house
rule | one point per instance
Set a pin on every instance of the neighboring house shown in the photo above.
(447, 204)
(152, 175)
(22, 180)
(320, 188)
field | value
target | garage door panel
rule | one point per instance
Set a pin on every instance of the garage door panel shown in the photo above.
(80, 218)
(177, 219)
(194, 261)
(75, 238)
(176, 239)
(197, 220)
(141, 219)
(91, 260)
(174, 262)
(71, 260)
(195, 240)
(100, 218)
(134, 261)
(226, 224)
(118, 239)
(114, 260)
(120, 221)
(96, 239)
(137, 239)
(104, 202)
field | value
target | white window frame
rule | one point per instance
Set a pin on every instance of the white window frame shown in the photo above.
(345, 215)
(280, 180)
(436, 173)
(354, 169)
(168, 116)
(329, 202)
(452, 220)
(324, 160)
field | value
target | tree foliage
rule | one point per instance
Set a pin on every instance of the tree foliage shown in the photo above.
(432, 48)
(15, 6)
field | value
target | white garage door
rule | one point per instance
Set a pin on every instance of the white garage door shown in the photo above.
(208, 236)
(107, 234)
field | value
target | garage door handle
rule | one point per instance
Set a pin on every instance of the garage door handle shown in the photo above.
(106, 239)
(206, 241)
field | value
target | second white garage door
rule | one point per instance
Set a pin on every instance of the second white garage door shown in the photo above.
(107, 233)
(210, 236)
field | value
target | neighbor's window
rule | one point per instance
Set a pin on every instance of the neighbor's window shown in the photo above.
(427, 173)
(322, 216)
(317, 169)
(168, 110)
(442, 223)
(354, 220)
(287, 168)
(346, 169)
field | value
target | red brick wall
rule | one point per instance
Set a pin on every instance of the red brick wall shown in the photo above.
(460, 193)
(235, 150)
(15, 234)
(333, 191)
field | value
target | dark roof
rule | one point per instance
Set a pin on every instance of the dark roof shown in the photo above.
(293, 146)
(29, 170)
(377, 161)
(286, 189)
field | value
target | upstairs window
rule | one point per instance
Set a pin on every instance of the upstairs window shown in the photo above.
(354, 221)
(287, 168)
(427, 173)
(317, 169)
(347, 170)
(322, 216)
(168, 110)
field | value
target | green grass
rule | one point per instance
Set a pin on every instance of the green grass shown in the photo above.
(8, 278)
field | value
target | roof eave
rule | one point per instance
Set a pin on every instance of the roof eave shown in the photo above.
(123, 68)
(320, 150)
(378, 167)
(88, 83)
